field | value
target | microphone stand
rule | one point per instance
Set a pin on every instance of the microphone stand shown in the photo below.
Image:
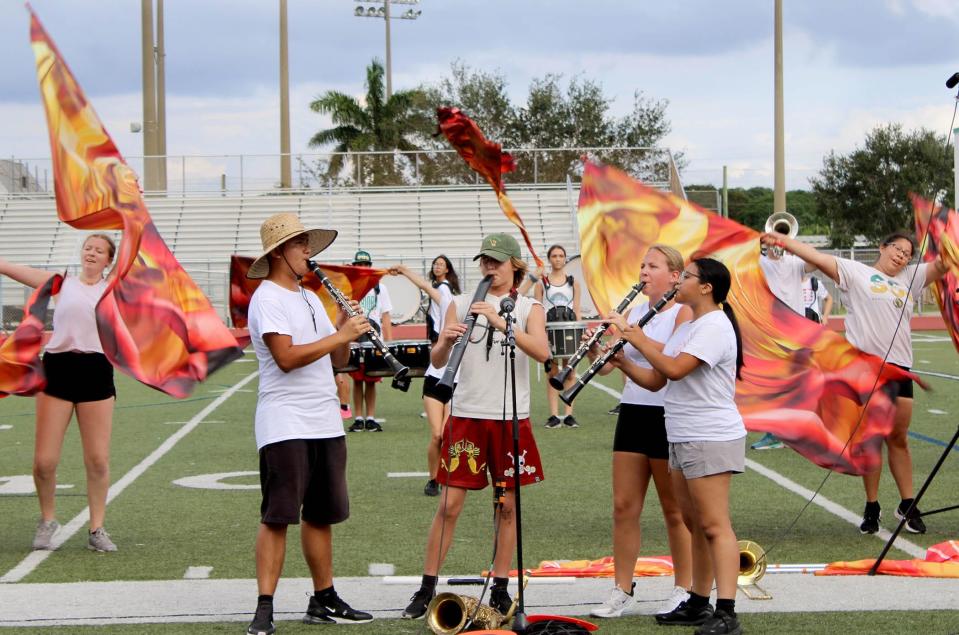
(519, 617)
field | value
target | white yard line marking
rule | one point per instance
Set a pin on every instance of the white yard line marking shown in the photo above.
(936, 411)
(6, 427)
(32, 561)
(901, 543)
(406, 474)
(934, 374)
(197, 573)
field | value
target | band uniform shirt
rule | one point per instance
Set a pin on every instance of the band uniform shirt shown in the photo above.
(375, 304)
(659, 329)
(784, 277)
(301, 403)
(814, 299)
(701, 406)
(74, 320)
(480, 392)
(438, 314)
(874, 302)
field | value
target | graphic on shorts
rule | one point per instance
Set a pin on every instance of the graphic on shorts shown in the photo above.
(523, 468)
(464, 446)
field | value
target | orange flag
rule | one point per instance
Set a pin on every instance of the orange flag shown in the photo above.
(21, 371)
(154, 322)
(486, 158)
(942, 224)
(802, 382)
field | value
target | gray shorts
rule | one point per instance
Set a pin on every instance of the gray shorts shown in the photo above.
(704, 458)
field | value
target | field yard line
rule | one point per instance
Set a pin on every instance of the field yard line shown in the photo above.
(934, 374)
(32, 561)
(909, 547)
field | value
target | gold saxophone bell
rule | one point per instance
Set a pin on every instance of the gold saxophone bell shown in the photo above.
(752, 567)
(449, 613)
(782, 223)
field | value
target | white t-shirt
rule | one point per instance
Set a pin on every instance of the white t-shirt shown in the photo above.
(480, 392)
(438, 313)
(376, 304)
(302, 403)
(814, 299)
(784, 277)
(74, 320)
(874, 302)
(657, 329)
(701, 406)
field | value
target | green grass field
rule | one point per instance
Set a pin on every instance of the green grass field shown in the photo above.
(162, 528)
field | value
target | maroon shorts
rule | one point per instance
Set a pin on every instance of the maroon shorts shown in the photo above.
(360, 375)
(473, 448)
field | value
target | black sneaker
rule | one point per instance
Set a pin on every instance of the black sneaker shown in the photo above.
(553, 422)
(357, 425)
(914, 523)
(570, 422)
(500, 600)
(432, 488)
(870, 518)
(334, 610)
(419, 602)
(614, 410)
(372, 425)
(262, 623)
(720, 623)
(686, 615)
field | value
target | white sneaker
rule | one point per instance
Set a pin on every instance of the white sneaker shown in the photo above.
(43, 539)
(618, 603)
(678, 595)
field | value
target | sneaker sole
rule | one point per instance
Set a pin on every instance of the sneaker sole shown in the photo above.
(309, 619)
(907, 527)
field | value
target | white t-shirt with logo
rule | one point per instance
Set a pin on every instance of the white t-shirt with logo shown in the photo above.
(701, 406)
(784, 277)
(438, 313)
(375, 304)
(301, 403)
(814, 299)
(874, 302)
(74, 320)
(657, 329)
(480, 392)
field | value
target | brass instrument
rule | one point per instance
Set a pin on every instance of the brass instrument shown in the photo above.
(459, 348)
(450, 613)
(782, 223)
(752, 567)
(601, 361)
(399, 370)
(560, 378)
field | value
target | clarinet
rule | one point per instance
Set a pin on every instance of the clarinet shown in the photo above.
(601, 361)
(456, 355)
(560, 378)
(399, 370)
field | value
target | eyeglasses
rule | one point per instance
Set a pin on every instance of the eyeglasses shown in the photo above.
(688, 274)
(902, 252)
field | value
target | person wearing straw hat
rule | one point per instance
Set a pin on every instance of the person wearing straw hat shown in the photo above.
(299, 431)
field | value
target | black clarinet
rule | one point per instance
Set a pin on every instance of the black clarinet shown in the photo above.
(560, 378)
(601, 361)
(456, 355)
(399, 370)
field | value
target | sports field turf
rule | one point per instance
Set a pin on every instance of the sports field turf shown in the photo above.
(163, 528)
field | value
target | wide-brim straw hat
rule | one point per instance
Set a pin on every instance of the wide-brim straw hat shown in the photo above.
(278, 229)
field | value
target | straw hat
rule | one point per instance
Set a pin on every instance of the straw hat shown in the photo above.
(278, 229)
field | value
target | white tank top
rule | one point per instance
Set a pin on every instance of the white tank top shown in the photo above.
(660, 328)
(74, 320)
(557, 294)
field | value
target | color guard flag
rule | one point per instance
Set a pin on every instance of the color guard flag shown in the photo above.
(943, 227)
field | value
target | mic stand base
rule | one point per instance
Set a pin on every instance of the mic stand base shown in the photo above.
(520, 624)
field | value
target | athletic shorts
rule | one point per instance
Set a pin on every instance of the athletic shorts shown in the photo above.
(641, 429)
(433, 390)
(304, 477)
(360, 375)
(475, 449)
(78, 377)
(706, 458)
(904, 386)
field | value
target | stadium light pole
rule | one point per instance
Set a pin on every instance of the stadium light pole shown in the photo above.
(286, 174)
(779, 184)
(384, 13)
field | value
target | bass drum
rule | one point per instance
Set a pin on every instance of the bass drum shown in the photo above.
(405, 297)
(574, 267)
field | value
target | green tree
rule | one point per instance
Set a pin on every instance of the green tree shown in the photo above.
(378, 124)
(867, 191)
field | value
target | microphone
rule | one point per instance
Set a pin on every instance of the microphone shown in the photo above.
(507, 304)
(952, 81)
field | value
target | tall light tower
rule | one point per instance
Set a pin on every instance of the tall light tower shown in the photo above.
(383, 13)
(779, 154)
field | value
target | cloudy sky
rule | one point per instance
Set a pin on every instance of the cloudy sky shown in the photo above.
(849, 65)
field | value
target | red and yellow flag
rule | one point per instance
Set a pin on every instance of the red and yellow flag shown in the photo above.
(487, 159)
(802, 382)
(154, 322)
(943, 227)
(354, 282)
(21, 371)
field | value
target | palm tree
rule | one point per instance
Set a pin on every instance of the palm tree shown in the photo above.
(378, 124)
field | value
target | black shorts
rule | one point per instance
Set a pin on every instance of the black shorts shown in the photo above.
(78, 377)
(433, 390)
(304, 477)
(904, 386)
(641, 429)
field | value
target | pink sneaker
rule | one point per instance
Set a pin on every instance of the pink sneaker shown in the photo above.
(345, 411)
